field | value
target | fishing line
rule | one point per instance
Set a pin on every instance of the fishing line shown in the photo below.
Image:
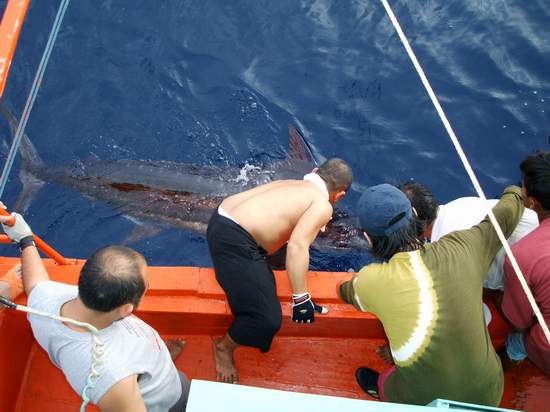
(97, 344)
(467, 166)
(32, 94)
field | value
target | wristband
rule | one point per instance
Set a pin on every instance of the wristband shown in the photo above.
(26, 242)
(298, 298)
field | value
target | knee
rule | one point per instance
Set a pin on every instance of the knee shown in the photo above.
(272, 323)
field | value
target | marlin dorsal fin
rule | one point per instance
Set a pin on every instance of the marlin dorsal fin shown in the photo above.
(298, 148)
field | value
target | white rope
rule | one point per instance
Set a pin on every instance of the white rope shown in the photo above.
(467, 166)
(55, 317)
(97, 347)
(32, 94)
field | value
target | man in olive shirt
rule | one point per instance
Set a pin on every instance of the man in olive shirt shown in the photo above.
(429, 300)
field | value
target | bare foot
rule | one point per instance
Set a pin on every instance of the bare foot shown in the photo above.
(175, 346)
(225, 365)
(385, 353)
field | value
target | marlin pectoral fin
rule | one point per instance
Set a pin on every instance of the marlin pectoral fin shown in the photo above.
(298, 148)
(31, 186)
(27, 150)
(10, 118)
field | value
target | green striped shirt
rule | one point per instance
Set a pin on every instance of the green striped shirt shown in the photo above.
(430, 303)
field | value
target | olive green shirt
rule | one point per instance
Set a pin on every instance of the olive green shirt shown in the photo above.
(430, 303)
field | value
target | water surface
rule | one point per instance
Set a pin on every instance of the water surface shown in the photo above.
(217, 82)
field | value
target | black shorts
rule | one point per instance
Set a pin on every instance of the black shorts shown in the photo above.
(247, 279)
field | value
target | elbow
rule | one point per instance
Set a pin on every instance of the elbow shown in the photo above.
(296, 248)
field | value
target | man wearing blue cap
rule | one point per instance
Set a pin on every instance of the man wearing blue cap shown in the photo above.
(428, 299)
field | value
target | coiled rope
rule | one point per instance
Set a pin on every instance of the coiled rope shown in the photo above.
(32, 94)
(97, 344)
(467, 166)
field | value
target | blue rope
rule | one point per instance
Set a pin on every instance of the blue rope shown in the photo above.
(32, 95)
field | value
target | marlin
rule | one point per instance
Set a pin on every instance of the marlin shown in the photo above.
(181, 195)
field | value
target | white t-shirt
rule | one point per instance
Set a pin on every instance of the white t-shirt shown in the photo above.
(465, 212)
(131, 347)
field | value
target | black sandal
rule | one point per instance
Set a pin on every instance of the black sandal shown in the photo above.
(368, 381)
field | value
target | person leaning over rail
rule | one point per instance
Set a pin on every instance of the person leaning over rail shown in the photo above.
(250, 225)
(433, 221)
(533, 256)
(428, 298)
(136, 372)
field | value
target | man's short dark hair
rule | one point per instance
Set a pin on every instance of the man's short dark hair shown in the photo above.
(535, 171)
(337, 174)
(403, 240)
(112, 277)
(423, 201)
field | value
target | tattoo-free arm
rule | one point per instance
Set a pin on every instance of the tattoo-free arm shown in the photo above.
(33, 270)
(124, 396)
(303, 235)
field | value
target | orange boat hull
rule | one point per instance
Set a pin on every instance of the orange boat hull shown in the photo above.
(187, 302)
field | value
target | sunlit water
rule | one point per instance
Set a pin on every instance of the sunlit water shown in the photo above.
(216, 82)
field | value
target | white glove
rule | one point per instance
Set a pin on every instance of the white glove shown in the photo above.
(19, 230)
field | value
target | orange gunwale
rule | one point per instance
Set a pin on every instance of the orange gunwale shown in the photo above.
(10, 28)
(188, 302)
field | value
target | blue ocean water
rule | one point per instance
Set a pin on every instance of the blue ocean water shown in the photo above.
(216, 82)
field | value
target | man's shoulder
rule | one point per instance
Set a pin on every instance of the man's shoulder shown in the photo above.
(373, 272)
(397, 269)
(49, 291)
(322, 202)
(530, 245)
(533, 250)
(132, 327)
(134, 320)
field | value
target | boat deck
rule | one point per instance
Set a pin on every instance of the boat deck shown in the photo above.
(187, 302)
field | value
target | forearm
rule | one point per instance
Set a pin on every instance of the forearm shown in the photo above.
(297, 265)
(123, 396)
(346, 291)
(509, 210)
(137, 406)
(482, 240)
(32, 268)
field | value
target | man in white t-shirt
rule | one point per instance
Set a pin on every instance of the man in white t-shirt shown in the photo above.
(435, 221)
(136, 369)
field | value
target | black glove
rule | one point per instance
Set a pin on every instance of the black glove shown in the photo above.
(303, 308)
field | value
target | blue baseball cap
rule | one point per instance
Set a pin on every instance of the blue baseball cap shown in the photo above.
(383, 210)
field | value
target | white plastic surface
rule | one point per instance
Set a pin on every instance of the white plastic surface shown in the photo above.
(208, 396)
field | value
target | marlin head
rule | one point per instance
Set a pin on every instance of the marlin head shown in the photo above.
(342, 232)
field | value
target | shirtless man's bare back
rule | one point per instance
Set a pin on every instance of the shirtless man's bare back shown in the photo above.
(249, 226)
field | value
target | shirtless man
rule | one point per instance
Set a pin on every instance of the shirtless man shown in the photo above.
(253, 224)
